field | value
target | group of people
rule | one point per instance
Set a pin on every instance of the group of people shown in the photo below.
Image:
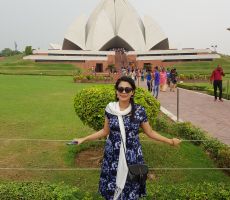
(161, 79)
(122, 50)
(157, 80)
(133, 73)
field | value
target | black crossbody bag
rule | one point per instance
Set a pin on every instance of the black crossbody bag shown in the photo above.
(137, 172)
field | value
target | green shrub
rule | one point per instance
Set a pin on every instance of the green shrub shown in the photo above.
(224, 157)
(9, 52)
(111, 68)
(225, 95)
(45, 191)
(92, 78)
(204, 88)
(213, 146)
(162, 124)
(42, 191)
(218, 151)
(77, 72)
(193, 87)
(90, 105)
(193, 77)
(188, 131)
(28, 50)
(89, 77)
(202, 191)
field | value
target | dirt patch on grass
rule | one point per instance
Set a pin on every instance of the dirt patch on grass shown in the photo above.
(90, 158)
(2, 58)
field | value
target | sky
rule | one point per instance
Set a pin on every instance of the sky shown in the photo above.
(187, 23)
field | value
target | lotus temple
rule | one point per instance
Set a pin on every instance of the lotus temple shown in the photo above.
(114, 34)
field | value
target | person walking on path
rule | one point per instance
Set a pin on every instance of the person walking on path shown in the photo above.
(163, 80)
(142, 75)
(123, 119)
(156, 85)
(173, 80)
(149, 81)
(216, 80)
(168, 77)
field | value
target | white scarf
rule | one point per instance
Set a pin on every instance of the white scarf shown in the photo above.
(122, 169)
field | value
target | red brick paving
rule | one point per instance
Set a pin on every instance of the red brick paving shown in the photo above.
(200, 110)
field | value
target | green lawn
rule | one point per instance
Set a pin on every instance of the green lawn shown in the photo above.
(42, 107)
(16, 65)
(204, 67)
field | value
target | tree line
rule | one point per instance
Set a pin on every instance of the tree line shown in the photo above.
(9, 52)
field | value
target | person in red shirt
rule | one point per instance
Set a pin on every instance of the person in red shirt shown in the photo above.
(216, 80)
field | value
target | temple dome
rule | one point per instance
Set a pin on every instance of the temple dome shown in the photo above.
(115, 24)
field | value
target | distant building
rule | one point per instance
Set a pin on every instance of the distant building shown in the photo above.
(115, 34)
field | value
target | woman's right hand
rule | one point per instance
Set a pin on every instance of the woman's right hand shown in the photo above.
(79, 140)
(176, 142)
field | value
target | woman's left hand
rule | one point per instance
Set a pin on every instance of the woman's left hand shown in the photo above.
(176, 142)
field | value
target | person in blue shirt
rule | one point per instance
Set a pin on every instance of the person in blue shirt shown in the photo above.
(156, 82)
(149, 81)
(168, 76)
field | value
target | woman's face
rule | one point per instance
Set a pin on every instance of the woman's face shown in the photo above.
(124, 91)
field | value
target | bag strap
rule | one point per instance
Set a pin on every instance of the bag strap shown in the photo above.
(123, 147)
(141, 173)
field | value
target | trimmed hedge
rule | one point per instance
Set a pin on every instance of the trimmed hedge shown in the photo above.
(193, 77)
(224, 94)
(92, 78)
(45, 191)
(90, 105)
(202, 191)
(202, 88)
(218, 151)
(192, 87)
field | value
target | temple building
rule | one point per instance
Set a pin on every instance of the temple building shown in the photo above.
(114, 34)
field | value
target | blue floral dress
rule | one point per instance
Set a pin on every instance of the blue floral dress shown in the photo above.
(134, 155)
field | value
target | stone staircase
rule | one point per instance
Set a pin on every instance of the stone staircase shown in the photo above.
(121, 60)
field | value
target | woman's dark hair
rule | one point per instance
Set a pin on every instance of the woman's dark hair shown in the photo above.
(132, 83)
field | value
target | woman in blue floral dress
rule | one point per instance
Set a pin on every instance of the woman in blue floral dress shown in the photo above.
(122, 122)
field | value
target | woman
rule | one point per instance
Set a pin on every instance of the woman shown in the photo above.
(163, 80)
(123, 120)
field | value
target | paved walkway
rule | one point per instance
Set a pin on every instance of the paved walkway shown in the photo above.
(200, 110)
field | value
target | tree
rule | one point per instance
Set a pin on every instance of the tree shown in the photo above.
(111, 68)
(7, 52)
(148, 66)
(28, 50)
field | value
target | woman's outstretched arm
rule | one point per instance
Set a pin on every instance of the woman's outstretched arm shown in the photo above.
(100, 134)
(156, 136)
